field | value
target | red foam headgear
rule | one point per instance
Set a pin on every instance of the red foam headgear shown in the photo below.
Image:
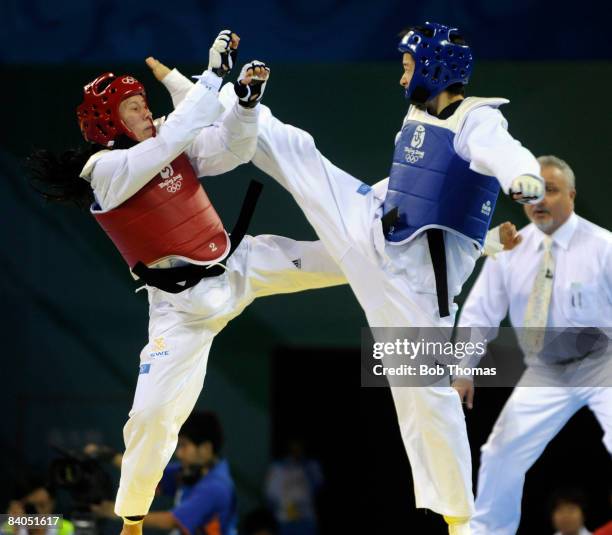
(98, 114)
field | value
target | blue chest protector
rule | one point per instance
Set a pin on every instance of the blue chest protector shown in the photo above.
(431, 186)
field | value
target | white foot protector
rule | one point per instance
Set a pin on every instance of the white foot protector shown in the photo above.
(459, 529)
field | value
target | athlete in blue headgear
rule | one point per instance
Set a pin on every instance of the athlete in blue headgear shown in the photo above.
(409, 243)
(437, 65)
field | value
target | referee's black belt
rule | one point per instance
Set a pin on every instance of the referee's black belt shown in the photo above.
(177, 279)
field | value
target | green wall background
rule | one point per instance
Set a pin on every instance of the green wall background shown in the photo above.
(72, 326)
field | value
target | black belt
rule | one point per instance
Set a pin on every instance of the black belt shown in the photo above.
(435, 239)
(437, 251)
(180, 278)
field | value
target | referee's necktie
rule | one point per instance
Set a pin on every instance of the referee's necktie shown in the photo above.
(538, 304)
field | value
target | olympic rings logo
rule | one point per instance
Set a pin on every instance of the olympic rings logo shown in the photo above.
(413, 155)
(173, 187)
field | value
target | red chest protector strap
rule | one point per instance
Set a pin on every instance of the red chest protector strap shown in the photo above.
(177, 279)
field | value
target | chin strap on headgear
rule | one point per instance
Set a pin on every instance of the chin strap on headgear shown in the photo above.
(98, 114)
(440, 58)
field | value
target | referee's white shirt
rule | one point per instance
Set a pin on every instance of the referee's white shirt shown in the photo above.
(582, 284)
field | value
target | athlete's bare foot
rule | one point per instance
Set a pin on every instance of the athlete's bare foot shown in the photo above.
(159, 70)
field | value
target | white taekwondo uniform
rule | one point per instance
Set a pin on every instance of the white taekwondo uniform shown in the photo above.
(395, 284)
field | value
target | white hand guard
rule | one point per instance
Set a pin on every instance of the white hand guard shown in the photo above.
(530, 189)
(249, 95)
(221, 57)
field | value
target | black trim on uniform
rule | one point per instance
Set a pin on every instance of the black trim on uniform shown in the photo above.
(449, 110)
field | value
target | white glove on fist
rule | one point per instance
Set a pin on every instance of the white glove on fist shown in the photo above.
(527, 189)
(251, 83)
(221, 57)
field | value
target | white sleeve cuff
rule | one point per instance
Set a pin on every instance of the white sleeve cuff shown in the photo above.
(492, 244)
(247, 115)
(174, 80)
(209, 79)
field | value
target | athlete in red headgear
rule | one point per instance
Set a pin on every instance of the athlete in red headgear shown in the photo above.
(102, 112)
(140, 177)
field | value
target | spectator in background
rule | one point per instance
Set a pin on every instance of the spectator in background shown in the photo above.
(567, 513)
(37, 497)
(291, 487)
(259, 522)
(205, 499)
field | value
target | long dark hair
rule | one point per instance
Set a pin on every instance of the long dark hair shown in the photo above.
(56, 176)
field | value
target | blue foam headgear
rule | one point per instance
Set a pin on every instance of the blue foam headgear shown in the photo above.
(439, 62)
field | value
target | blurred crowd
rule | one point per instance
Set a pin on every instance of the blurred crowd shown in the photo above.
(198, 482)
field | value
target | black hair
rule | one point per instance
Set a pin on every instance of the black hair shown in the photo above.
(259, 520)
(456, 89)
(568, 496)
(203, 426)
(56, 176)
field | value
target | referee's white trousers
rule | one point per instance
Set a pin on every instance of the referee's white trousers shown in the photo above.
(181, 330)
(530, 419)
(399, 293)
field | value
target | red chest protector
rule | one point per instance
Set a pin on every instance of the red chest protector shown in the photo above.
(169, 217)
